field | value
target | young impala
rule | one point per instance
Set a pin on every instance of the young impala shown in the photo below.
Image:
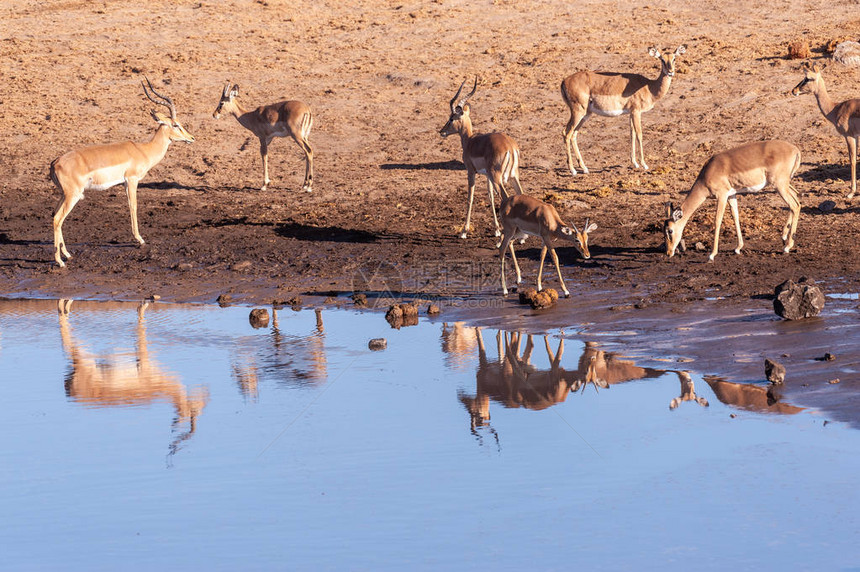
(613, 94)
(100, 167)
(844, 116)
(745, 169)
(494, 155)
(283, 119)
(523, 214)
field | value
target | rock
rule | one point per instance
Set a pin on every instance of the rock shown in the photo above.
(775, 372)
(542, 301)
(794, 301)
(184, 267)
(377, 344)
(432, 310)
(241, 266)
(799, 50)
(259, 318)
(224, 300)
(833, 381)
(359, 299)
(826, 357)
(295, 301)
(526, 295)
(399, 315)
(700, 247)
(827, 206)
(553, 293)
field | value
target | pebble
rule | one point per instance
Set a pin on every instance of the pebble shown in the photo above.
(377, 344)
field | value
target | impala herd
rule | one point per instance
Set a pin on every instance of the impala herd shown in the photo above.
(745, 169)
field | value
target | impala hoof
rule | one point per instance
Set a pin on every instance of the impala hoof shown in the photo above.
(307, 188)
(462, 234)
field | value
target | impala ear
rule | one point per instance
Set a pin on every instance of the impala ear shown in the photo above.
(669, 209)
(677, 215)
(653, 52)
(234, 92)
(681, 49)
(159, 117)
(591, 227)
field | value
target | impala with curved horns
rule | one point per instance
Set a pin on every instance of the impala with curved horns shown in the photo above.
(612, 94)
(283, 119)
(99, 167)
(494, 155)
(844, 116)
(745, 169)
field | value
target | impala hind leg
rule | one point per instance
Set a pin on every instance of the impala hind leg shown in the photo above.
(65, 206)
(578, 117)
(303, 144)
(502, 195)
(789, 195)
(733, 203)
(503, 246)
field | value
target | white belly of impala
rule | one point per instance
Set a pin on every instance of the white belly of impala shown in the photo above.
(606, 112)
(751, 189)
(104, 179)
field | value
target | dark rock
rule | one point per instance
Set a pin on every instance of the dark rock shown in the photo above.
(826, 357)
(775, 372)
(259, 318)
(359, 299)
(526, 295)
(797, 300)
(377, 344)
(827, 206)
(224, 300)
(399, 315)
(432, 310)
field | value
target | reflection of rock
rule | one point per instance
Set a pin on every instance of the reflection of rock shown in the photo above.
(774, 371)
(751, 397)
(794, 301)
(259, 317)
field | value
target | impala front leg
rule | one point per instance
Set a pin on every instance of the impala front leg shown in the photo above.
(733, 203)
(471, 184)
(131, 191)
(721, 210)
(264, 154)
(852, 158)
(636, 135)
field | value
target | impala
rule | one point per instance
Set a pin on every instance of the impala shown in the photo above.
(613, 94)
(523, 214)
(745, 169)
(494, 155)
(100, 167)
(283, 119)
(844, 116)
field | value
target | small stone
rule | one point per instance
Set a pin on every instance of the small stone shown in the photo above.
(799, 50)
(224, 300)
(775, 372)
(732, 415)
(377, 344)
(541, 301)
(394, 316)
(433, 309)
(359, 299)
(153, 297)
(833, 381)
(294, 301)
(259, 318)
(526, 295)
(241, 266)
(553, 293)
(700, 247)
(184, 266)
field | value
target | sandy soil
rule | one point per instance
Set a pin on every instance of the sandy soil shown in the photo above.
(388, 189)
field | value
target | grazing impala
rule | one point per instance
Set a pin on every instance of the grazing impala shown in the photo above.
(100, 167)
(745, 169)
(613, 94)
(523, 214)
(494, 155)
(844, 116)
(283, 119)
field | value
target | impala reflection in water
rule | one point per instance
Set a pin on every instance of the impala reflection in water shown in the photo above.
(121, 380)
(513, 381)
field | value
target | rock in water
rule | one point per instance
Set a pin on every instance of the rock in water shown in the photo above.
(377, 344)
(797, 300)
(774, 371)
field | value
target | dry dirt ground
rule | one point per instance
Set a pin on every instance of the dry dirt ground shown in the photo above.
(388, 189)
